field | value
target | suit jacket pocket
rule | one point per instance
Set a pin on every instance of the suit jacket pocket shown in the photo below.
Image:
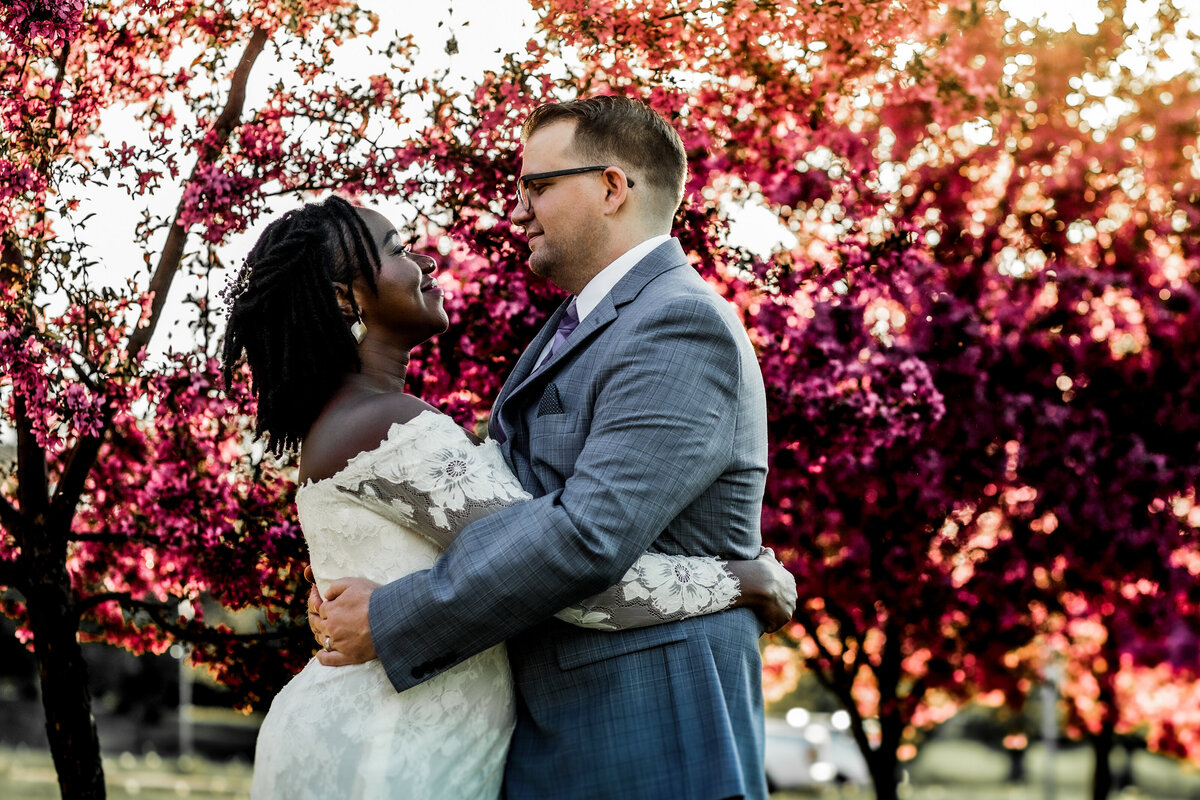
(589, 649)
(555, 440)
(551, 402)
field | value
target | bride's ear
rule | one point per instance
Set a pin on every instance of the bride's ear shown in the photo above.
(345, 301)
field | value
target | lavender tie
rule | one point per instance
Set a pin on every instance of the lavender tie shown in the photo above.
(568, 323)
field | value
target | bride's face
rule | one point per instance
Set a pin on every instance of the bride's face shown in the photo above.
(408, 301)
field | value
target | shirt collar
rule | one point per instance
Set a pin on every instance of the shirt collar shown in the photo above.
(607, 278)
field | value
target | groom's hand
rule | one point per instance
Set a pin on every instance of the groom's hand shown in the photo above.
(347, 624)
(315, 623)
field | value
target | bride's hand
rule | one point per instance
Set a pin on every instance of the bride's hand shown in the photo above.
(347, 623)
(766, 587)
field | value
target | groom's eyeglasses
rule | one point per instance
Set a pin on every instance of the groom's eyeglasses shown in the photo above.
(523, 182)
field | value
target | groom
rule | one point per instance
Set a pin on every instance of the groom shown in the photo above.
(637, 419)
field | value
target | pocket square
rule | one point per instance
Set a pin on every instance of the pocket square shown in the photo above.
(550, 403)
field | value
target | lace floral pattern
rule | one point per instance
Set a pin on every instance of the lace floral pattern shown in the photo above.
(345, 732)
(453, 482)
(658, 588)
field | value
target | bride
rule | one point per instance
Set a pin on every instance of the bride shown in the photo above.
(325, 311)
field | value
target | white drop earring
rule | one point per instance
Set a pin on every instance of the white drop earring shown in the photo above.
(358, 330)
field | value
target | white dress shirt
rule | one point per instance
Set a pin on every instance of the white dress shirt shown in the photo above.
(607, 278)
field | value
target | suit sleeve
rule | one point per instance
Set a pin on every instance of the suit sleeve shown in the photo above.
(662, 431)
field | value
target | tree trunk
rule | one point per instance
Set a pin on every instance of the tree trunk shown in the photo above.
(1105, 740)
(1102, 746)
(882, 763)
(66, 698)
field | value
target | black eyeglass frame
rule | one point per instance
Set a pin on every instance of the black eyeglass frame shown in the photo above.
(524, 181)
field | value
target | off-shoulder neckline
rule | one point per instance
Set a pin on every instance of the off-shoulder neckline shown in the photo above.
(393, 429)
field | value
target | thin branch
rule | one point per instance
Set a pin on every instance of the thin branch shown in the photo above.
(811, 626)
(86, 372)
(172, 253)
(42, 167)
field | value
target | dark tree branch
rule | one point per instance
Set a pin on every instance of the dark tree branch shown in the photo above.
(168, 620)
(834, 680)
(12, 261)
(839, 681)
(11, 576)
(83, 456)
(32, 481)
(86, 372)
(79, 463)
(10, 518)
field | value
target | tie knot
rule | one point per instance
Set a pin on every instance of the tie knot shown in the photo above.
(570, 319)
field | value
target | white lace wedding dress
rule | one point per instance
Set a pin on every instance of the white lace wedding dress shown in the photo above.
(345, 732)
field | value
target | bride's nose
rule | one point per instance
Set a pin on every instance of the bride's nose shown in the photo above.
(427, 264)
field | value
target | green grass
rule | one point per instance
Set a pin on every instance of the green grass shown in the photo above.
(944, 770)
(29, 775)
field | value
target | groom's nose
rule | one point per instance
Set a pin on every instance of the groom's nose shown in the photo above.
(520, 214)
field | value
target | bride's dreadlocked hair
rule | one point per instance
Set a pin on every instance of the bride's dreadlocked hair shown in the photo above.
(284, 315)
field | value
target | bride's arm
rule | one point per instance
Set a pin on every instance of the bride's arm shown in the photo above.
(664, 588)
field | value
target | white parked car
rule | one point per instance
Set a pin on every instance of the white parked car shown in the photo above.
(808, 750)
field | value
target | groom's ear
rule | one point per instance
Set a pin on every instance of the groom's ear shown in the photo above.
(616, 188)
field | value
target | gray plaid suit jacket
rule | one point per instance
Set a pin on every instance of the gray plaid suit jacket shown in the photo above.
(645, 431)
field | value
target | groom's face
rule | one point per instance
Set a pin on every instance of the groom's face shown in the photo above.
(561, 219)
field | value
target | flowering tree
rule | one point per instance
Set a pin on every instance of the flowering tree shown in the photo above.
(984, 283)
(135, 496)
(1064, 235)
(989, 278)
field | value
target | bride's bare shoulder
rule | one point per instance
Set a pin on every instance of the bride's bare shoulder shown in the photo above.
(352, 426)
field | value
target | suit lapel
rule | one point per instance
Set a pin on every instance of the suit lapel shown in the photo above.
(524, 368)
(666, 256)
(596, 321)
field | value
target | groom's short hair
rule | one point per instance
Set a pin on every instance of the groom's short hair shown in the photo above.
(627, 132)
